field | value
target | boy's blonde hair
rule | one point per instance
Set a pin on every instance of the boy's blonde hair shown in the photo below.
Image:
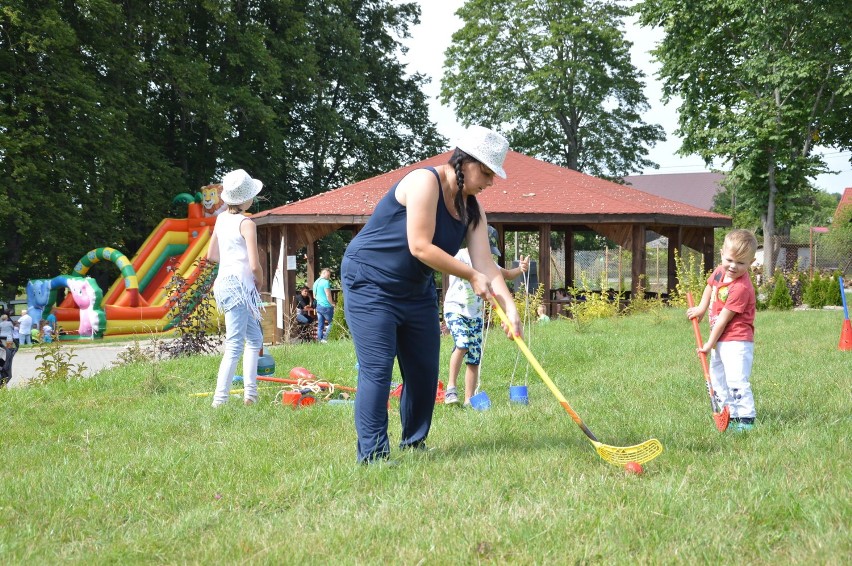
(741, 244)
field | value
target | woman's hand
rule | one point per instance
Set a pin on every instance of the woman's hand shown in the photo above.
(515, 327)
(481, 285)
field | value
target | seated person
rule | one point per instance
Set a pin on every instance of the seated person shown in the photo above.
(306, 307)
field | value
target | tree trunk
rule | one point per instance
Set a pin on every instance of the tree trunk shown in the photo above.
(769, 225)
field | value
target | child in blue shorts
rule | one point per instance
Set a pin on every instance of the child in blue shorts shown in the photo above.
(464, 313)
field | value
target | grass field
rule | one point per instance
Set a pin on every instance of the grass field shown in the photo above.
(128, 467)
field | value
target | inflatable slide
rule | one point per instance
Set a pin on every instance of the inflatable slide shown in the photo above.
(136, 303)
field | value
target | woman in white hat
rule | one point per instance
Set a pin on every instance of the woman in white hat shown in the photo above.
(234, 246)
(391, 302)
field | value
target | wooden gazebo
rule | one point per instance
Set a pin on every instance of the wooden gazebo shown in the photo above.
(537, 197)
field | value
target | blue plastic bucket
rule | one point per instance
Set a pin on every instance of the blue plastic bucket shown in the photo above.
(480, 401)
(518, 394)
(265, 365)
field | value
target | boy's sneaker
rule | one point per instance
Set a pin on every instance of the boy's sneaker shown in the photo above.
(451, 397)
(742, 424)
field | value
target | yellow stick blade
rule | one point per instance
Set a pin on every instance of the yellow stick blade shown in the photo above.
(640, 453)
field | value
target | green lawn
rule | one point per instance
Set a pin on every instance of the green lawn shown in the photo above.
(128, 467)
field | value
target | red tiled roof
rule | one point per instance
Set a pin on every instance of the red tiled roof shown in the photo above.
(845, 200)
(534, 187)
(697, 189)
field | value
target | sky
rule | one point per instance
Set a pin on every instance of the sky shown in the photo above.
(434, 34)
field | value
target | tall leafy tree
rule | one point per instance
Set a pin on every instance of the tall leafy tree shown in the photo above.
(762, 82)
(67, 156)
(365, 115)
(109, 108)
(556, 76)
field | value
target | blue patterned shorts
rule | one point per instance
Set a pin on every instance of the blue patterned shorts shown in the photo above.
(467, 333)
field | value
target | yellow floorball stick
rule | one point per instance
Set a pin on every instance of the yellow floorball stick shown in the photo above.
(618, 455)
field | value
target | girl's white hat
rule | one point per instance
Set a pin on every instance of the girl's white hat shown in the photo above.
(238, 187)
(487, 146)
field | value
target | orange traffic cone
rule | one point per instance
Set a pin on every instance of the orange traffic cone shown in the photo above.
(846, 336)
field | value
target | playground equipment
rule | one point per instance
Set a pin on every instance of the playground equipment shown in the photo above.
(137, 301)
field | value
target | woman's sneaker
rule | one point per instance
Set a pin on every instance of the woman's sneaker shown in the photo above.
(451, 397)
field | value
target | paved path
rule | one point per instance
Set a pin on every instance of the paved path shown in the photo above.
(96, 356)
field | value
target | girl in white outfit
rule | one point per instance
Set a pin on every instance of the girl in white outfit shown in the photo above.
(234, 246)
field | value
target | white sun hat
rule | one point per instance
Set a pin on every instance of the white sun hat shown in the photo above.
(238, 187)
(487, 146)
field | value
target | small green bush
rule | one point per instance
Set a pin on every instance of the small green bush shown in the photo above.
(690, 279)
(589, 305)
(814, 295)
(339, 329)
(780, 300)
(527, 304)
(832, 290)
(55, 364)
(192, 309)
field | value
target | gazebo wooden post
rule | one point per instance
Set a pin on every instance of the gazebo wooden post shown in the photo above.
(568, 246)
(675, 237)
(708, 252)
(312, 268)
(637, 265)
(264, 250)
(273, 237)
(544, 258)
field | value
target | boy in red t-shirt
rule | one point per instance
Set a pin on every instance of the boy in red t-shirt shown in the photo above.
(730, 297)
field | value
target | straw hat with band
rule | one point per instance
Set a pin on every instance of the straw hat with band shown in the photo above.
(486, 146)
(238, 187)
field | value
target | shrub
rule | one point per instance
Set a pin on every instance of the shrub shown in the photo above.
(813, 296)
(780, 300)
(832, 290)
(642, 304)
(527, 304)
(192, 309)
(589, 305)
(339, 329)
(690, 279)
(55, 365)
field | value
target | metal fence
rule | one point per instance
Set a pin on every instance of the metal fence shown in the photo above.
(609, 268)
(815, 253)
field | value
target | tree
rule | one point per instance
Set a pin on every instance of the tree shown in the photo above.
(838, 241)
(794, 215)
(109, 109)
(557, 76)
(761, 82)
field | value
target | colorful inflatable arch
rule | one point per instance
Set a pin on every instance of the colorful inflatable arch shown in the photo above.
(131, 281)
(86, 295)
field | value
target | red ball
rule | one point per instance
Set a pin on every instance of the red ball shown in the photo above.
(633, 468)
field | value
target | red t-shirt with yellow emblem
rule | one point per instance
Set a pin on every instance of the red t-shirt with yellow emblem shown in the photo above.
(736, 296)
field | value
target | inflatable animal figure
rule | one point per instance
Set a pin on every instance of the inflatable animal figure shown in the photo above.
(84, 297)
(40, 293)
(211, 200)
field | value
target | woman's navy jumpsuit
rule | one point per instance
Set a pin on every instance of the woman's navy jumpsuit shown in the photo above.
(391, 307)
